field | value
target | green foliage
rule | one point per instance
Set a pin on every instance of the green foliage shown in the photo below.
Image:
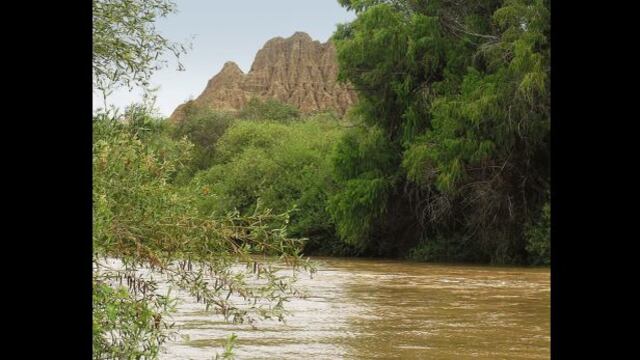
(203, 127)
(139, 213)
(268, 110)
(357, 207)
(130, 172)
(144, 220)
(125, 327)
(361, 160)
(461, 94)
(265, 164)
(363, 152)
(127, 48)
(360, 5)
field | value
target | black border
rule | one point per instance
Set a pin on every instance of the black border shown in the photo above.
(576, 286)
(49, 118)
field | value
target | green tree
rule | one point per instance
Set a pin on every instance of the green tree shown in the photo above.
(203, 127)
(461, 93)
(279, 166)
(127, 47)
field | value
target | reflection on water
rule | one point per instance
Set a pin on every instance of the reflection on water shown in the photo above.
(376, 309)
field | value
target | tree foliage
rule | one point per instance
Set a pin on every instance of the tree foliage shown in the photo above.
(142, 220)
(275, 165)
(203, 127)
(460, 91)
(363, 163)
(127, 47)
(125, 327)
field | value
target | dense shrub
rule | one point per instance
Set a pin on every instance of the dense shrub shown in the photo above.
(203, 127)
(276, 166)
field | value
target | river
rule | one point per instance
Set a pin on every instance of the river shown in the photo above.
(380, 309)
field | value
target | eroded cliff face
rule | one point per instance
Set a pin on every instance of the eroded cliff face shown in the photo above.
(297, 70)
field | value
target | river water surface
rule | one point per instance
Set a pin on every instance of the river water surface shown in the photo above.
(378, 309)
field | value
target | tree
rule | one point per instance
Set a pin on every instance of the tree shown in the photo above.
(461, 93)
(279, 166)
(127, 47)
(142, 220)
(203, 127)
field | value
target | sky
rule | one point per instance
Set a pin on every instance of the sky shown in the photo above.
(227, 31)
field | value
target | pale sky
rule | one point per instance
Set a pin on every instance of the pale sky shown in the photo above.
(228, 31)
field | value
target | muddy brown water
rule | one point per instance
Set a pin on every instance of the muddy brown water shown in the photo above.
(378, 309)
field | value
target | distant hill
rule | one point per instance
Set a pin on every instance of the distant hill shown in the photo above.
(297, 70)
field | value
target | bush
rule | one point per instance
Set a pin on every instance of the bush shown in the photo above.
(276, 166)
(359, 162)
(203, 127)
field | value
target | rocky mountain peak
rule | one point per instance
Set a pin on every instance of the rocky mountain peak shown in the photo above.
(301, 35)
(296, 70)
(230, 66)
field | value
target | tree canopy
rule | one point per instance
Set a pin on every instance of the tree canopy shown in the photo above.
(127, 47)
(459, 95)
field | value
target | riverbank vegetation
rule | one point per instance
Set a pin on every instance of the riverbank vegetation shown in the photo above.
(144, 220)
(452, 157)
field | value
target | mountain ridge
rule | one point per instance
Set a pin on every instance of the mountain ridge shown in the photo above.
(297, 70)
